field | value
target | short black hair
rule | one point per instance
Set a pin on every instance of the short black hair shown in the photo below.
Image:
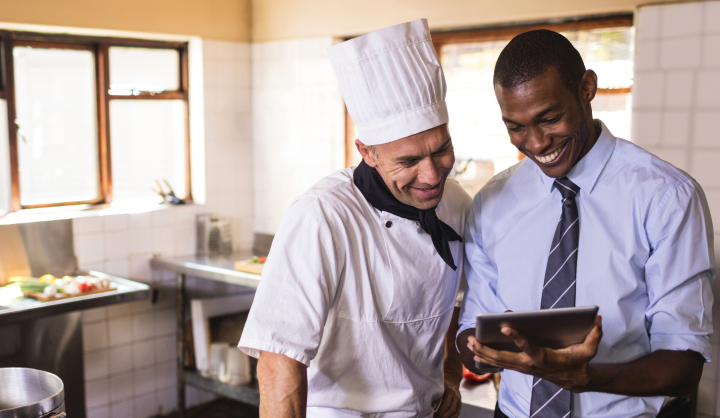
(532, 53)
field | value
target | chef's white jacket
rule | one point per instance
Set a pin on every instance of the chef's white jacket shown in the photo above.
(362, 298)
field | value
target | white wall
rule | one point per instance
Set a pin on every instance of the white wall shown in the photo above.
(130, 348)
(228, 133)
(676, 105)
(297, 121)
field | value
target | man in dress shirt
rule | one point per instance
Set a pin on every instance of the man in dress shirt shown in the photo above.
(586, 219)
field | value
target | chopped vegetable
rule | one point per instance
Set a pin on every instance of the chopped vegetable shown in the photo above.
(29, 284)
(52, 286)
(257, 260)
(48, 278)
(72, 289)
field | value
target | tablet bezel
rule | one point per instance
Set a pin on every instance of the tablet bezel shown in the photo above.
(553, 328)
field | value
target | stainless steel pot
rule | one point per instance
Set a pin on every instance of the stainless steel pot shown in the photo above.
(30, 393)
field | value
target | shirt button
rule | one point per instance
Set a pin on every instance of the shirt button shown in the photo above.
(388, 224)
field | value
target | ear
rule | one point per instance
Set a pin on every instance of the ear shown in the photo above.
(366, 153)
(588, 87)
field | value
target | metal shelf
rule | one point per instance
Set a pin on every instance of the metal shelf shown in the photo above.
(219, 269)
(248, 393)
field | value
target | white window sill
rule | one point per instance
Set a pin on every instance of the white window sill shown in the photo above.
(79, 211)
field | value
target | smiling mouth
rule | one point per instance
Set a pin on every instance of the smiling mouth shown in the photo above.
(551, 158)
(428, 193)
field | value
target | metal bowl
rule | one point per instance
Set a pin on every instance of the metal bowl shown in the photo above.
(30, 393)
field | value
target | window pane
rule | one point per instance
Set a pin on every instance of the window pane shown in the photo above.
(475, 121)
(149, 142)
(615, 111)
(143, 69)
(482, 145)
(57, 125)
(609, 52)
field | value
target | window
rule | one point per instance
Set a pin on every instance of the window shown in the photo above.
(89, 120)
(56, 116)
(482, 147)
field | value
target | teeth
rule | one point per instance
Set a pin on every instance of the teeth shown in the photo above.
(546, 159)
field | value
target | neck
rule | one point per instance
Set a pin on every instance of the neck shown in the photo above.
(593, 134)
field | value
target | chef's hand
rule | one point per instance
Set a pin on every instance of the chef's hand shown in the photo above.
(448, 406)
(568, 368)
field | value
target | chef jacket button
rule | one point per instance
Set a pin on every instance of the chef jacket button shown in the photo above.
(388, 224)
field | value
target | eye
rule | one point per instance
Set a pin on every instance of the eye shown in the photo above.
(408, 163)
(514, 128)
(443, 151)
(552, 119)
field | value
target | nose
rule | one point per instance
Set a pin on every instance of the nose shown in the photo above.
(429, 172)
(536, 141)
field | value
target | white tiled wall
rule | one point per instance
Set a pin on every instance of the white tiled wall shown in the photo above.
(228, 135)
(676, 107)
(298, 123)
(130, 348)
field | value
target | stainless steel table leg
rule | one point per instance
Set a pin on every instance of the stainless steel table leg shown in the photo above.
(180, 312)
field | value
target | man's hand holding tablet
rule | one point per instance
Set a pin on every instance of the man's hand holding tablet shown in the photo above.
(541, 344)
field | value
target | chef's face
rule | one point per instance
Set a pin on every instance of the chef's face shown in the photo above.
(548, 123)
(414, 168)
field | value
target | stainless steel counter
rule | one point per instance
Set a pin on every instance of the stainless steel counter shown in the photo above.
(220, 269)
(24, 309)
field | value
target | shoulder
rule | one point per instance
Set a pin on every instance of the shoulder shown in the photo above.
(330, 196)
(648, 177)
(455, 197)
(645, 165)
(454, 206)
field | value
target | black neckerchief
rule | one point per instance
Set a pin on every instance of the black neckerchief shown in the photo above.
(375, 191)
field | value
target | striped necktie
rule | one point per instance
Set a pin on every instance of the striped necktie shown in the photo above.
(548, 400)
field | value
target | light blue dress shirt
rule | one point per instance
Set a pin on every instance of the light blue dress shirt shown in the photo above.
(645, 258)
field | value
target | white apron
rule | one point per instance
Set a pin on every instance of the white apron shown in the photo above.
(361, 297)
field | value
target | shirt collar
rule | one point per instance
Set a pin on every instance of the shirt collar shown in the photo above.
(586, 172)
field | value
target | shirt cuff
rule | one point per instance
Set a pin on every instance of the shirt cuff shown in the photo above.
(697, 343)
(253, 348)
(462, 328)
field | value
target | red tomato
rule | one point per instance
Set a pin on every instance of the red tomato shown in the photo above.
(84, 287)
(472, 377)
(262, 259)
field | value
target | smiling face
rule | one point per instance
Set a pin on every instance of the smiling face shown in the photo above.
(416, 167)
(548, 123)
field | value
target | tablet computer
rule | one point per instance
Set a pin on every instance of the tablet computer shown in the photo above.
(552, 328)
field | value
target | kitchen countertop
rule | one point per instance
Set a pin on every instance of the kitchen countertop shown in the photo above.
(217, 268)
(23, 309)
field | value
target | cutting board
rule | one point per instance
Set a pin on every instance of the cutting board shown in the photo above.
(42, 297)
(246, 267)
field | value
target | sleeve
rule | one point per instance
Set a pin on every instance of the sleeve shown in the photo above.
(680, 271)
(296, 291)
(480, 273)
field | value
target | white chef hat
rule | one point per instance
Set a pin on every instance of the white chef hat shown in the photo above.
(392, 82)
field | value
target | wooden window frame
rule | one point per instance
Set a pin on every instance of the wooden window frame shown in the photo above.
(507, 32)
(100, 46)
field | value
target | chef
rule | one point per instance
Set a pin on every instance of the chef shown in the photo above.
(352, 313)
(586, 219)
